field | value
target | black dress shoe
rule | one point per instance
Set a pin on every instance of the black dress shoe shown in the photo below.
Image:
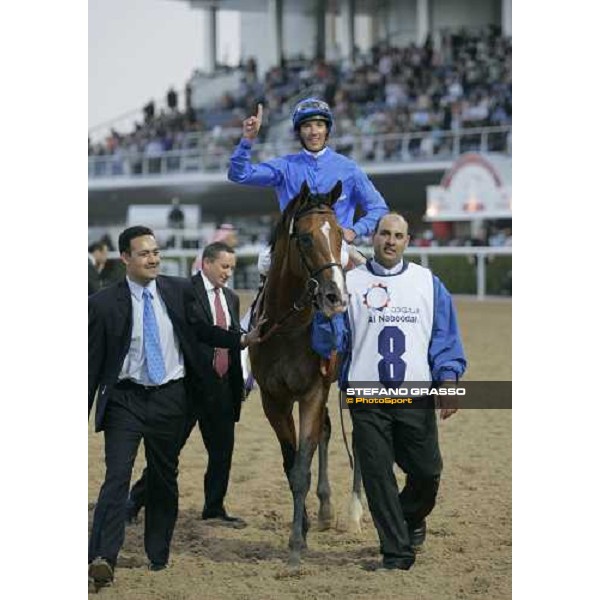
(390, 563)
(417, 534)
(394, 562)
(222, 518)
(156, 566)
(100, 573)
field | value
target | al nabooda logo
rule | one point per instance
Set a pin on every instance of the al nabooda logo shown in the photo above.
(377, 297)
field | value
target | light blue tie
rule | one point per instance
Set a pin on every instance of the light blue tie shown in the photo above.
(154, 359)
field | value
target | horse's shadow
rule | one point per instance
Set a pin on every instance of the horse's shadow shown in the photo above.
(207, 541)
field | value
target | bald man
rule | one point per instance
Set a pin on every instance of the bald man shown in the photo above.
(403, 329)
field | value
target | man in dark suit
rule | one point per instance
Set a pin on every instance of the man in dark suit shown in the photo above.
(216, 406)
(97, 257)
(145, 336)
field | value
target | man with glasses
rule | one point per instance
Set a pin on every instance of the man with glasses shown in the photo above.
(321, 168)
(144, 336)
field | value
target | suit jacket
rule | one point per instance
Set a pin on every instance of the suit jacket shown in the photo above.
(109, 334)
(94, 281)
(234, 374)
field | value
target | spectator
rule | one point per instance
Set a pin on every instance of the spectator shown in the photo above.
(468, 80)
(106, 239)
(176, 217)
(188, 97)
(97, 257)
(149, 112)
(172, 99)
(113, 272)
(225, 233)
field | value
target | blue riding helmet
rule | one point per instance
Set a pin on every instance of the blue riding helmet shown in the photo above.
(312, 109)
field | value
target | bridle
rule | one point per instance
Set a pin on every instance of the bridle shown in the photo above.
(299, 238)
(312, 285)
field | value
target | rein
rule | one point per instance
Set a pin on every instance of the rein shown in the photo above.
(311, 289)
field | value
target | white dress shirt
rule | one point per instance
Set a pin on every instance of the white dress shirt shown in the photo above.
(210, 292)
(316, 154)
(134, 365)
(381, 270)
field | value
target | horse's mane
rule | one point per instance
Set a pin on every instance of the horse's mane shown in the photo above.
(281, 225)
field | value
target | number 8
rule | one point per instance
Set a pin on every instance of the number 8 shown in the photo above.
(391, 345)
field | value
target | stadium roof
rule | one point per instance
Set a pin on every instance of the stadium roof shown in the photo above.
(361, 6)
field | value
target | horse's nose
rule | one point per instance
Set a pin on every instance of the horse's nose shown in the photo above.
(333, 298)
(332, 293)
(336, 298)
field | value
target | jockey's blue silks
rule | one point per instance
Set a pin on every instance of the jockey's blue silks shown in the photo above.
(321, 172)
(287, 174)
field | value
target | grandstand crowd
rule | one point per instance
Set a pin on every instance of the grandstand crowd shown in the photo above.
(464, 81)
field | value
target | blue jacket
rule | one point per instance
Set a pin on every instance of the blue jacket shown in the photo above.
(446, 355)
(287, 173)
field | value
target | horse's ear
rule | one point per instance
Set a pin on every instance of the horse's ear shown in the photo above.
(304, 190)
(303, 195)
(300, 198)
(335, 193)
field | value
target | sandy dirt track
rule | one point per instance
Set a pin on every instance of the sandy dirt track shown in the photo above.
(468, 549)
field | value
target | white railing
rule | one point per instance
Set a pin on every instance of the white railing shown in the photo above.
(206, 153)
(183, 258)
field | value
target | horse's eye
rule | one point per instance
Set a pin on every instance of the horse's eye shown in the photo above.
(305, 241)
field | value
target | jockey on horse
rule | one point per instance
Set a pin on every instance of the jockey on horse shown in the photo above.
(321, 168)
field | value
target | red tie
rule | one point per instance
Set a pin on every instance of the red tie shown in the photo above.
(221, 361)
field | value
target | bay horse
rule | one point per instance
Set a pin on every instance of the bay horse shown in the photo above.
(305, 275)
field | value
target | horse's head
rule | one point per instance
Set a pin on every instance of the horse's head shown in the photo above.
(316, 238)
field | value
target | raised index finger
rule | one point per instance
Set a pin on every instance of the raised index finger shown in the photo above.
(259, 113)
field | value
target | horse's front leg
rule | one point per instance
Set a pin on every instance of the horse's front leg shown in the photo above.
(326, 513)
(311, 424)
(281, 417)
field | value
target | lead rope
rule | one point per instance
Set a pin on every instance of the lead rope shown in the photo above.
(344, 433)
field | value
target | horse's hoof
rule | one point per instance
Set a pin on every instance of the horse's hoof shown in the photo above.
(354, 527)
(326, 519)
(294, 559)
(355, 512)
